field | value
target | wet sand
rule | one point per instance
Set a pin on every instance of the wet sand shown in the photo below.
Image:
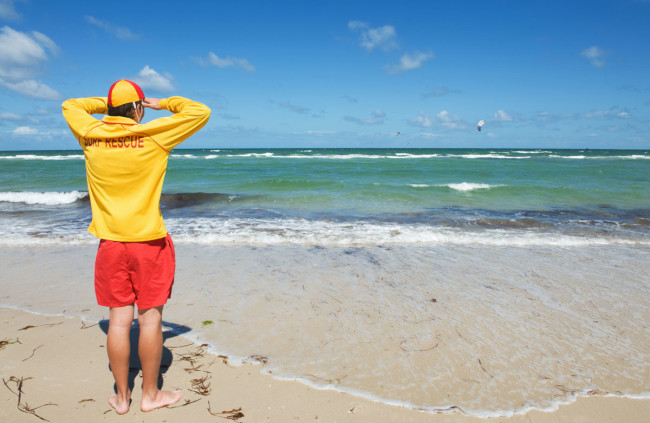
(62, 367)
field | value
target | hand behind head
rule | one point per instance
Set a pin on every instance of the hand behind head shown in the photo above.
(152, 103)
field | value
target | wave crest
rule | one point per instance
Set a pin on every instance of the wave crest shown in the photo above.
(469, 186)
(45, 198)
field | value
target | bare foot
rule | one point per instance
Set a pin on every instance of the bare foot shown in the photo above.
(161, 399)
(121, 405)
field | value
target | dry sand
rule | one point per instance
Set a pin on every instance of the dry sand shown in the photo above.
(55, 369)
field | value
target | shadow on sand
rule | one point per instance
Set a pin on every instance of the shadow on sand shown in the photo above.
(135, 366)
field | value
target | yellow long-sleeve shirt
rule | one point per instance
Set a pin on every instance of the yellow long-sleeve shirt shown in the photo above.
(126, 163)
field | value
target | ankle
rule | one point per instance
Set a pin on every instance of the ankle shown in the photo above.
(123, 395)
(150, 394)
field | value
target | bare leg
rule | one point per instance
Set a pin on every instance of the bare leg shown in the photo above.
(119, 348)
(150, 351)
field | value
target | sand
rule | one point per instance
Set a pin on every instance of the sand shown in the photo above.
(60, 363)
(61, 366)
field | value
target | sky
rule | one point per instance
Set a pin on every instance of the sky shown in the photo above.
(321, 74)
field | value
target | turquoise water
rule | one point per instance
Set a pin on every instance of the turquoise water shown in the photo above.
(297, 195)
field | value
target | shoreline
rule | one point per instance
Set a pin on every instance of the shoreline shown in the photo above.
(253, 288)
(61, 361)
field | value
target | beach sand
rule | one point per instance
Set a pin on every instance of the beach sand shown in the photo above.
(61, 366)
(57, 366)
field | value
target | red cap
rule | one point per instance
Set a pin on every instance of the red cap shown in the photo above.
(124, 91)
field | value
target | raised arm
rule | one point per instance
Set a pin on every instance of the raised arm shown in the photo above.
(78, 112)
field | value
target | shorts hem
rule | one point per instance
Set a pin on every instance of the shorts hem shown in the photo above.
(113, 305)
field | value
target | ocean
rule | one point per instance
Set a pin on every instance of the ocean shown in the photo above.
(354, 197)
(482, 281)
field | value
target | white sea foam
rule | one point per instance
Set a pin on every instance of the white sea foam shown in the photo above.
(395, 156)
(487, 156)
(468, 186)
(314, 156)
(39, 157)
(583, 157)
(296, 231)
(45, 198)
(269, 154)
(308, 232)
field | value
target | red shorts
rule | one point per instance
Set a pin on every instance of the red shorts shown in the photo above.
(134, 272)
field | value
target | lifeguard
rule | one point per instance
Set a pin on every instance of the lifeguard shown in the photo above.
(126, 163)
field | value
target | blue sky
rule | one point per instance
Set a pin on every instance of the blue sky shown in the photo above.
(542, 74)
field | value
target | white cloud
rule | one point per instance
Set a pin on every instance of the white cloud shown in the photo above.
(227, 62)
(409, 62)
(443, 118)
(449, 121)
(422, 120)
(294, 107)
(13, 117)
(10, 116)
(595, 55)
(21, 54)
(25, 130)
(500, 115)
(428, 135)
(7, 10)
(149, 79)
(32, 88)
(228, 116)
(119, 32)
(439, 92)
(612, 113)
(46, 42)
(371, 38)
(600, 116)
(376, 119)
(314, 132)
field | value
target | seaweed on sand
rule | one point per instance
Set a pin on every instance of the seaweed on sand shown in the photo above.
(201, 386)
(38, 326)
(33, 351)
(192, 357)
(6, 342)
(187, 402)
(23, 406)
(234, 414)
(259, 358)
(85, 326)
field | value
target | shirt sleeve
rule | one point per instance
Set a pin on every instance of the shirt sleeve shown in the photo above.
(188, 117)
(77, 112)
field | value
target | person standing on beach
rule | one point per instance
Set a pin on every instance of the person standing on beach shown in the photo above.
(126, 162)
